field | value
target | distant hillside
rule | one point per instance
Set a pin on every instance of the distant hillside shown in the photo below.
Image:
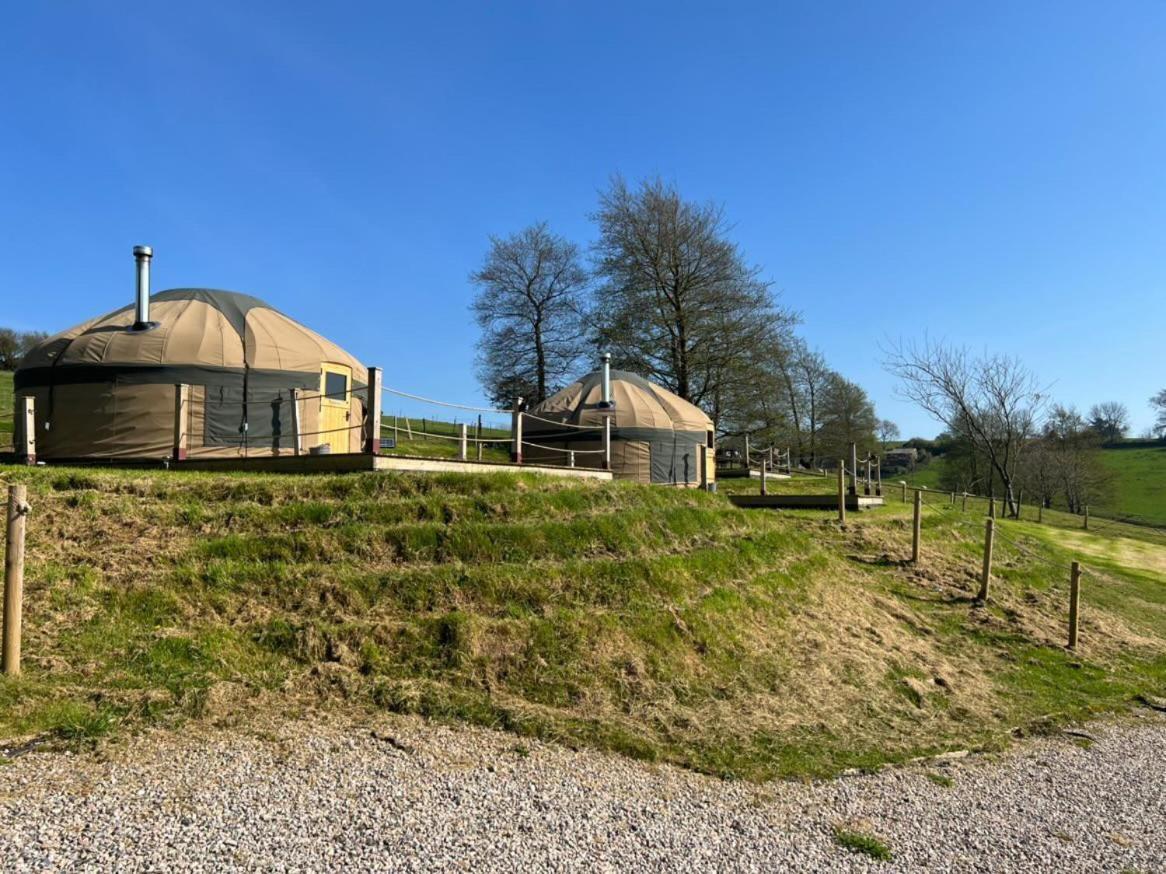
(5, 410)
(1139, 490)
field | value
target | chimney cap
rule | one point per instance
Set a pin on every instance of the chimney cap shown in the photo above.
(143, 252)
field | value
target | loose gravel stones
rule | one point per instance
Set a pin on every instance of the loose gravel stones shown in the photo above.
(400, 795)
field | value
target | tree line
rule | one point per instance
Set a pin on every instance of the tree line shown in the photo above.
(14, 345)
(667, 291)
(1004, 435)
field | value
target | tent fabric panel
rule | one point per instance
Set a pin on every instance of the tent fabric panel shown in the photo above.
(632, 459)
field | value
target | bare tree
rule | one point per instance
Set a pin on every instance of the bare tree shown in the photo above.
(678, 303)
(1158, 403)
(529, 304)
(992, 401)
(1111, 420)
(888, 433)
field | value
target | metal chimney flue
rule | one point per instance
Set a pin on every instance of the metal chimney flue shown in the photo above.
(142, 256)
(606, 359)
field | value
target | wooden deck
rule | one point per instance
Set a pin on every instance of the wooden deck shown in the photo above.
(351, 462)
(805, 502)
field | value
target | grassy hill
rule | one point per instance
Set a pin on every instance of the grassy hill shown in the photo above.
(1139, 487)
(1140, 484)
(5, 410)
(660, 623)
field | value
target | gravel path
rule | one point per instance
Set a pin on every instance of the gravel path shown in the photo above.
(398, 795)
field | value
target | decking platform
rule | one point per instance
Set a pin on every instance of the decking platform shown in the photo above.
(352, 462)
(854, 503)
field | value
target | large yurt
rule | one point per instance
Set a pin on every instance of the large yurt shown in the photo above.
(656, 436)
(106, 389)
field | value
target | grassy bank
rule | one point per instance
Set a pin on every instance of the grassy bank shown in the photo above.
(660, 623)
(5, 410)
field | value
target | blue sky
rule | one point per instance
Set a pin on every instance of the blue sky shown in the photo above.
(990, 173)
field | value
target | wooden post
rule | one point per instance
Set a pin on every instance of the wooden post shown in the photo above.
(879, 474)
(607, 443)
(764, 471)
(991, 508)
(748, 463)
(953, 499)
(1086, 517)
(854, 468)
(297, 440)
(964, 508)
(904, 485)
(181, 420)
(462, 443)
(842, 491)
(26, 431)
(1074, 602)
(14, 577)
(372, 446)
(866, 488)
(917, 528)
(986, 572)
(408, 427)
(516, 432)
(571, 458)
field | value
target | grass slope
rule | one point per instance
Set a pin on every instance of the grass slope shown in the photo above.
(1140, 487)
(660, 623)
(5, 410)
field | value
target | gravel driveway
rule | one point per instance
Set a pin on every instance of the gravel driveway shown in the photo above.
(398, 795)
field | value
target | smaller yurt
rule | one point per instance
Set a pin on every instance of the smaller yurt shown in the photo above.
(656, 436)
(107, 389)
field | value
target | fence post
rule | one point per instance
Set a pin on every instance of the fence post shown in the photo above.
(26, 431)
(964, 508)
(879, 475)
(14, 577)
(1040, 512)
(372, 445)
(866, 487)
(748, 463)
(462, 442)
(1074, 602)
(917, 528)
(571, 458)
(854, 468)
(986, 573)
(516, 432)
(297, 440)
(842, 492)
(607, 443)
(1086, 517)
(181, 420)
(903, 483)
(764, 471)
(991, 508)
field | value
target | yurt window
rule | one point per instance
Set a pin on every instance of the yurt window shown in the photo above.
(336, 386)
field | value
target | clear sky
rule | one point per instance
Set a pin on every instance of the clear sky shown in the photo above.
(990, 173)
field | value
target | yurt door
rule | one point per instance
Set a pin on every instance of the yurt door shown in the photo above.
(335, 393)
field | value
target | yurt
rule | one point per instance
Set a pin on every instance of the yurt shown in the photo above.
(106, 389)
(656, 436)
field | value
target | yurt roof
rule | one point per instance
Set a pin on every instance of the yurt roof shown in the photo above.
(195, 326)
(636, 403)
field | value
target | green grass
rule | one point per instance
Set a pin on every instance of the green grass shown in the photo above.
(5, 410)
(660, 623)
(1139, 492)
(863, 843)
